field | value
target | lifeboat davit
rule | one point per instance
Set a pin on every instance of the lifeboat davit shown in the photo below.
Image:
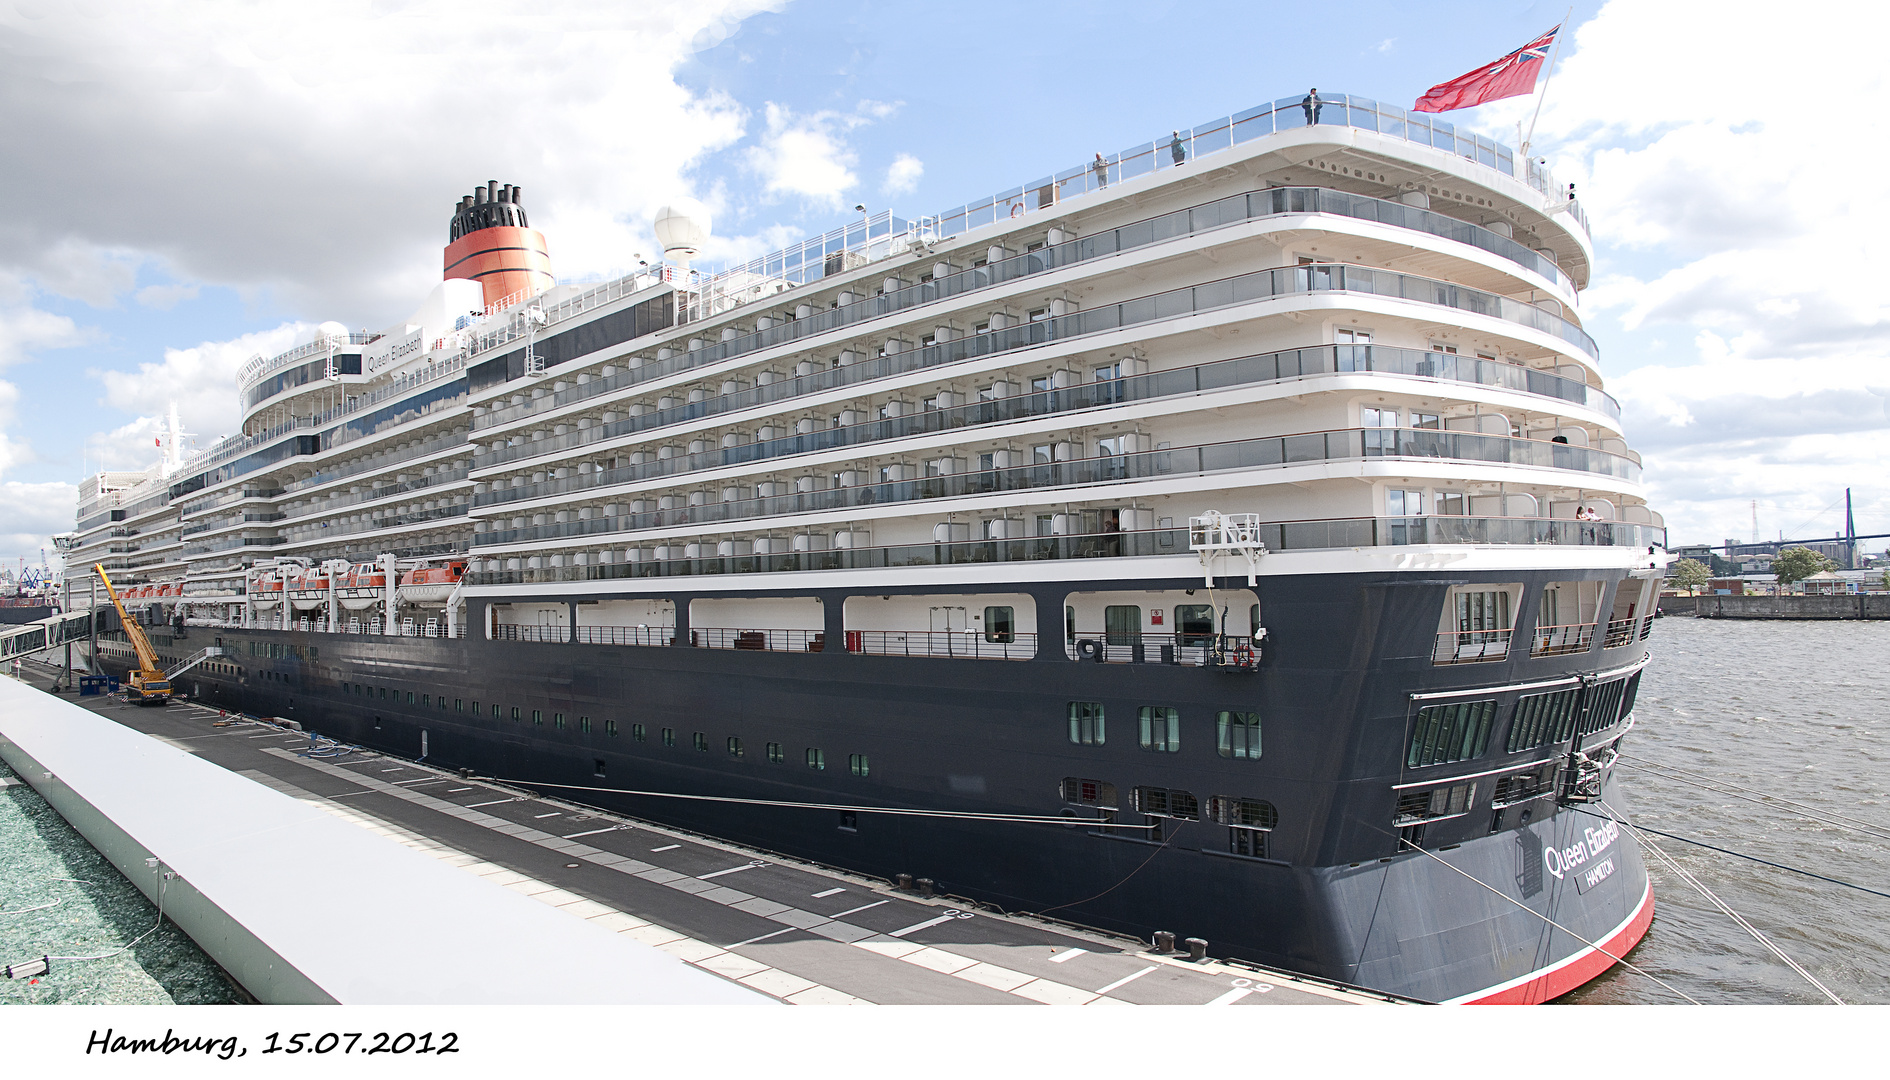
(431, 586)
(365, 586)
(173, 590)
(308, 591)
(267, 591)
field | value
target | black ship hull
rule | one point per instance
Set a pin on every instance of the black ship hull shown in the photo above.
(1456, 909)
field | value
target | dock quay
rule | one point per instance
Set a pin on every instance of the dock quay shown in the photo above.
(318, 872)
(1866, 606)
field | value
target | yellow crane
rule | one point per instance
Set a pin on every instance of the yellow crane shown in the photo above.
(146, 684)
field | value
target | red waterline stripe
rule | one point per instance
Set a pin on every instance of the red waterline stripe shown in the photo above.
(1575, 970)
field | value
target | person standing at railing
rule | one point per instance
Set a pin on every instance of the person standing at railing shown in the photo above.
(1311, 104)
(1101, 169)
(1177, 151)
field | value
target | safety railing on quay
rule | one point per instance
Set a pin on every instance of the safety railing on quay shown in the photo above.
(1277, 536)
(1208, 216)
(1288, 364)
(1561, 640)
(1271, 452)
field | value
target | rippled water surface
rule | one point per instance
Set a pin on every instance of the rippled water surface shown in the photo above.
(1792, 710)
(86, 908)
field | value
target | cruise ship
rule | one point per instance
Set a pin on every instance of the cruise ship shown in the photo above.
(1230, 537)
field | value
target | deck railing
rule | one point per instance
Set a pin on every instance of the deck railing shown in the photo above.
(1471, 647)
(1562, 640)
(1620, 632)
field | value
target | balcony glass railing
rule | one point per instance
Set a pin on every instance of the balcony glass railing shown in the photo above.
(1222, 213)
(1290, 364)
(1278, 536)
(1246, 454)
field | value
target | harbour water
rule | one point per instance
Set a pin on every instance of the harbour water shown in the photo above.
(1796, 711)
(86, 908)
(1764, 711)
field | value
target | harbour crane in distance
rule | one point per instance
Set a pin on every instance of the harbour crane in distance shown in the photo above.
(147, 684)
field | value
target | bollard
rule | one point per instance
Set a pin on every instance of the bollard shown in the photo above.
(925, 886)
(902, 882)
(1164, 941)
(1197, 949)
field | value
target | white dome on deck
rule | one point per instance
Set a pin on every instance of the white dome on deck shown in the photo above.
(682, 227)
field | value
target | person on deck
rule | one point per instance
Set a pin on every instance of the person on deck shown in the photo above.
(1311, 104)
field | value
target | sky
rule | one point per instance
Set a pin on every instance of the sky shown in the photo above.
(191, 184)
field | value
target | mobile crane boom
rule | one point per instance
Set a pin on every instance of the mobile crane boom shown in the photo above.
(147, 683)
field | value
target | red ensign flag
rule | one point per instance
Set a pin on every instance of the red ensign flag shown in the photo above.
(1511, 76)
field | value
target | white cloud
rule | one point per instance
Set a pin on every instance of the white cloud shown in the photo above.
(316, 150)
(903, 175)
(201, 380)
(1719, 210)
(25, 330)
(29, 516)
(806, 154)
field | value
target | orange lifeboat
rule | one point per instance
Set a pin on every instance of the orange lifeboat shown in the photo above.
(308, 590)
(267, 590)
(431, 586)
(365, 586)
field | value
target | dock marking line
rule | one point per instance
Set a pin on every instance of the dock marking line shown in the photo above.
(1068, 954)
(1231, 996)
(1127, 979)
(494, 802)
(453, 790)
(829, 892)
(862, 907)
(764, 937)
(671, 847)
(920, 926)
(554, 813)
(730, 870)
(593, 832)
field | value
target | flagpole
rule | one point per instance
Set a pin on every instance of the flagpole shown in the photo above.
(1554, 52)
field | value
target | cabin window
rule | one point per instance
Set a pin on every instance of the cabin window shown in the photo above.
(475, 706)
(442, 700)
(701, 741)
(1160, 728)
(669, 736)
(857, 764)
(1164, 802)
(597, 767)
(584, 725)
(1194, 624)
(1069, 624)
(816, 758)
(1086, 723)
(734, 746)
(557, 720)
(424, 699)
(1084, 792)
(495, 712)
(1449, 502)
(410, 697)
(1347, 336)
(1237, 735)
(775, 756)
(516, 715)
(1455, 732)
(1122, 624)
(1000, 625)
(1403, 503)
(638, 732)
(1541, 719)
(610, 728)
(1433, 803)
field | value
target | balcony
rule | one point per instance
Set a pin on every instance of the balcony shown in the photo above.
(1462, 448)
(1562, 640)
(1471, 647)
(1315, 535)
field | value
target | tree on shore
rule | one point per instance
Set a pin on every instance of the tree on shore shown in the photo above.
(1690, 574)
(1798, 563)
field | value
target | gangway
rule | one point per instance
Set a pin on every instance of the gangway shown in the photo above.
(208, 652)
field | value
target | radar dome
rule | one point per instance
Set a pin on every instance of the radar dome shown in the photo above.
(322, 332)
(682, 227)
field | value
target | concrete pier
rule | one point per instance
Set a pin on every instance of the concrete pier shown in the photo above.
(748, 919)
